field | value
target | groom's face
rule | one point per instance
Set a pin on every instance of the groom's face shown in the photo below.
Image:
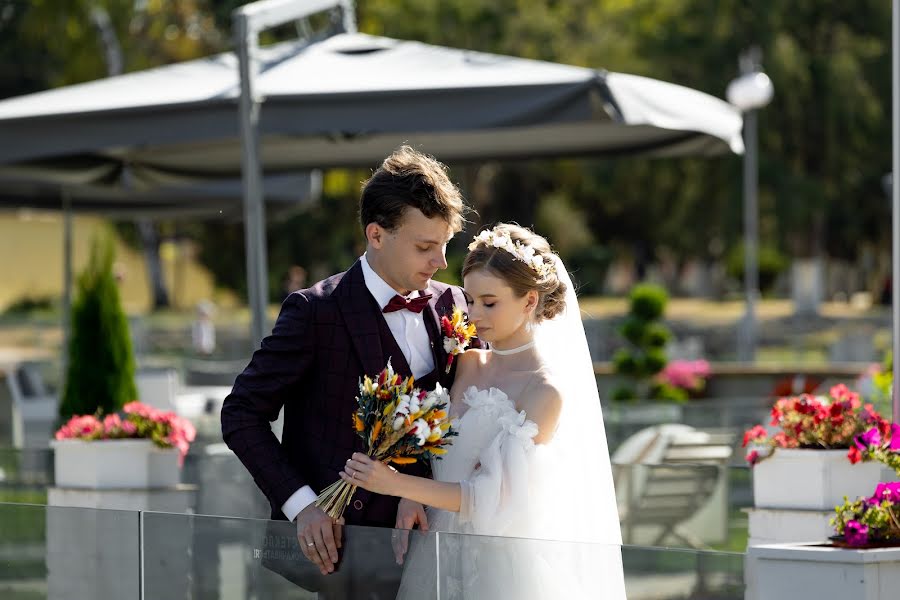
(408, 256)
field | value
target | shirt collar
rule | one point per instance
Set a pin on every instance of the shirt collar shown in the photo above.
(377, 286)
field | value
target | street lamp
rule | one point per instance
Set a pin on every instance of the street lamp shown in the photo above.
(750, 92)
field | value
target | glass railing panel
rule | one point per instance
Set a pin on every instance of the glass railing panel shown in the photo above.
(219, 558)
(188, 556)
(472, 566)
(680, 574)
(64, 553)
(695, 506)
(496, 567)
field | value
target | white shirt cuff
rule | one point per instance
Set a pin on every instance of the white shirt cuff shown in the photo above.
(298, 501)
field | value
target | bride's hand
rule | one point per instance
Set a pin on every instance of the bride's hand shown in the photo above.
(370, 474)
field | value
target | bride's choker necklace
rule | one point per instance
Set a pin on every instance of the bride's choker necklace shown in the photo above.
(522, 348)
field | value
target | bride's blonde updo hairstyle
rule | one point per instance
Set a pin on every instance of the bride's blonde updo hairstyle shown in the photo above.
(524, 260)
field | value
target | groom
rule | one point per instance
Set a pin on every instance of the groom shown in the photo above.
(385, 307)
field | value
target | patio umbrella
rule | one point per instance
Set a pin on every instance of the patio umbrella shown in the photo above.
(349, 100)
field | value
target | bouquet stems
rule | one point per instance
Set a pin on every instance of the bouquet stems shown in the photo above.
(335, 498)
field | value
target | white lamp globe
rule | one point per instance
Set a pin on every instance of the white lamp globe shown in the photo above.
(750, 91)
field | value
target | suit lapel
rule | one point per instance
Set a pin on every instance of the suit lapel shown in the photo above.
(360, 313)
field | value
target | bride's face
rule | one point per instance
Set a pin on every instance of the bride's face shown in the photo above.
(495, 309)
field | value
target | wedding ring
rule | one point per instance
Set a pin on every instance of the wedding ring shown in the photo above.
(310, 544)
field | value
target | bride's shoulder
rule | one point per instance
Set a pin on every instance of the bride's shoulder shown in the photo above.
(542, 402)
(473, 358)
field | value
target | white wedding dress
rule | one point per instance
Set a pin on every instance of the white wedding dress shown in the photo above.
(518, 517)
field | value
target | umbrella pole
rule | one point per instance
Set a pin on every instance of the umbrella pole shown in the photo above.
(895, 212)
(67, 283)
(247, 42)
(249, 21)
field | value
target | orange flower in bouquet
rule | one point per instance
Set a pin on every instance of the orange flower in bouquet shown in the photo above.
(399, 424)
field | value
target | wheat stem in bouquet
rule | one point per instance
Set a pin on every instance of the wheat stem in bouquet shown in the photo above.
(399, 423)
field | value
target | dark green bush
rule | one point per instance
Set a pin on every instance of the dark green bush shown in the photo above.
(648, 301)
(29, 304)
(770, 260)
(645, 340)
(100, 373)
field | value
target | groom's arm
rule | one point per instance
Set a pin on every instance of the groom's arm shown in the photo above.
(273, 376)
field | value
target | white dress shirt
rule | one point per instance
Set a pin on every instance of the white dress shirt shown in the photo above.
(410, 334)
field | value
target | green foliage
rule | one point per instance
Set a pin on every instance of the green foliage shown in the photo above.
(100, 374)
(29, 304)
(648, 301)
(770, 260)
(654, 361)
(669, 393)
(623, 394)
(657, 335)
(644, 354)
(625, 363)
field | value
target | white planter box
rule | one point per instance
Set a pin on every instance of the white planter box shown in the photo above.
(105, 464)
(788, 525)
(816, 572)
(813, 479)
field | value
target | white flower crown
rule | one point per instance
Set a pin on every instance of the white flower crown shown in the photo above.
(520, 251)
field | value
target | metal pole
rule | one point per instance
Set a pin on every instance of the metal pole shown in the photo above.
(249, 21)
(247, 43)
(751, 235)
(895, 201)
(67, 283)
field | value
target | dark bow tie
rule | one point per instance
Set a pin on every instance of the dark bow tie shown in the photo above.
(415, 305)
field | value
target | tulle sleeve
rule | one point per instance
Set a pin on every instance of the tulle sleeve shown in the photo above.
(496, 497)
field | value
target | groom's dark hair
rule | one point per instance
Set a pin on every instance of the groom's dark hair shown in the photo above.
(408, 178)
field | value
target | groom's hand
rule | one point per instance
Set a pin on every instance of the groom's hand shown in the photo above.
(316, 536)
(409, 514)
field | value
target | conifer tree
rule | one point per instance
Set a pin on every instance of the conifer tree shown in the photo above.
(100, 373)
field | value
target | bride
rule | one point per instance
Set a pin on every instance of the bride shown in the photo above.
(531, 460)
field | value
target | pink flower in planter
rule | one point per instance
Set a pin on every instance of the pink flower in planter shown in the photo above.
(112, 425)
(140, 409)
(870, 438)
(752, 457)
(886, 491)
(86, 427)
(137, 420)
(688, 375)
(856, 533)
(895, 438)
(755, 433)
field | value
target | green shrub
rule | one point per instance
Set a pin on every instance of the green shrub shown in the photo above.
(100, 373)
(645, 340)
(29, 304)
(648, 301)
(771, 263)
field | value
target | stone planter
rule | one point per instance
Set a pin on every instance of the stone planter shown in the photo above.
(815, 572)
(108, 464)
(813, 479)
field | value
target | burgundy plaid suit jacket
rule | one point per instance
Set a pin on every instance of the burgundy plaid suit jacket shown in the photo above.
(325, 339)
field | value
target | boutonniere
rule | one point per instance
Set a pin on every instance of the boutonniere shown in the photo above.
(458, 332)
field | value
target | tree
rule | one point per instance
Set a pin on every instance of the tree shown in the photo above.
(100, 373)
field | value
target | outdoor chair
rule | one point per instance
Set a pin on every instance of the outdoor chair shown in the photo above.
(669, 475)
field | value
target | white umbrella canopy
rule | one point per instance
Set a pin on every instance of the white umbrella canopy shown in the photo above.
(349, 100)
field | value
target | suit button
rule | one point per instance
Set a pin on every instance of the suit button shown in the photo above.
(357, 504)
